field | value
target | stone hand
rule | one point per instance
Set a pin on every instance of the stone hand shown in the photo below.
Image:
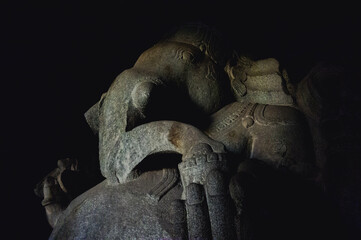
(53, 191)
(208, 203)
(51, 188)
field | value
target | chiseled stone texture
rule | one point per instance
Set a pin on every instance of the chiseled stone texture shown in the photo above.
(247, 141)
(114, 212)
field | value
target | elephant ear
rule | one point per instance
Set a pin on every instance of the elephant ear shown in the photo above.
(92, 115)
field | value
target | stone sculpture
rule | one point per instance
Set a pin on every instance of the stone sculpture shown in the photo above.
(186, 137)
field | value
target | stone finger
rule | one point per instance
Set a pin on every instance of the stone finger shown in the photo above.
(197, 213)
(219, 206)
(177, 213)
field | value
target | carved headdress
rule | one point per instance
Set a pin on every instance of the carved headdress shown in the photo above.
(208, 39)
(259, 81)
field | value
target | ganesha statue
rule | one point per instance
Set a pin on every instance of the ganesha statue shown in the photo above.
(197, 141)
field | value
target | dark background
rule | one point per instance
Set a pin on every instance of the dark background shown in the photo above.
(57, 59)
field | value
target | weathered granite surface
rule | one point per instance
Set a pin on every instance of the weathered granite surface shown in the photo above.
(198, 142)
